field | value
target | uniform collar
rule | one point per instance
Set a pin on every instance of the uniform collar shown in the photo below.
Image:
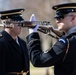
(72, 30)
(6, 35)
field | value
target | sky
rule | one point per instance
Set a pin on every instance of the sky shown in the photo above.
(11, 4)
(4, 4)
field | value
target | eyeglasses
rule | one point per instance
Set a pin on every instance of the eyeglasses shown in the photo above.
(60, 18)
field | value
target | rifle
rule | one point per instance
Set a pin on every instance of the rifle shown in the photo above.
(44, 26)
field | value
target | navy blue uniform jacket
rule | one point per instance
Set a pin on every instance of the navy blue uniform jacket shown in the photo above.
(55, 55)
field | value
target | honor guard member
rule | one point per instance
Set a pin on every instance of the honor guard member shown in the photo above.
(63, 53)
(14, 59)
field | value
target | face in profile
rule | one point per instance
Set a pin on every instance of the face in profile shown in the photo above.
(16, 29)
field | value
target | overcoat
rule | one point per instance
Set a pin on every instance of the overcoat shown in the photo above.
(13, 57)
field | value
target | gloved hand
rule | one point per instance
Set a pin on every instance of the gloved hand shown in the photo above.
(31, 30)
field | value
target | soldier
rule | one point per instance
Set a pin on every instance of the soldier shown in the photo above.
(14, 59)
(63, 54)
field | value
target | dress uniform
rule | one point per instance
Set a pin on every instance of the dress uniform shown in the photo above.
(14, 59)
(63, 54)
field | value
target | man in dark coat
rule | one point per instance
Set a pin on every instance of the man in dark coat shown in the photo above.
(63, 54)
(14, 59)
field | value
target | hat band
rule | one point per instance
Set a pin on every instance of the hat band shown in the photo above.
(11, 13)
(66, 8)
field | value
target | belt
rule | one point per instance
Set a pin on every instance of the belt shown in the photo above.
(18, 73)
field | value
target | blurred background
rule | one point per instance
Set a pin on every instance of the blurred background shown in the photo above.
(43, 12)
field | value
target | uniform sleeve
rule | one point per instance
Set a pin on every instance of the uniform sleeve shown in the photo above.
(2, 60)
(48, 58)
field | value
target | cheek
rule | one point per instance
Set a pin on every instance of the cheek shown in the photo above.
(19, 30)
(60, 25)
(67, 21)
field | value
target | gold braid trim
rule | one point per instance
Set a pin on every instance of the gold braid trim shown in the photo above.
(12, 13)
(66, 50)
(32, 41)
(18, 73)
(66, 7)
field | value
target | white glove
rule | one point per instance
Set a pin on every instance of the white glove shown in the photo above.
(31, 30)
